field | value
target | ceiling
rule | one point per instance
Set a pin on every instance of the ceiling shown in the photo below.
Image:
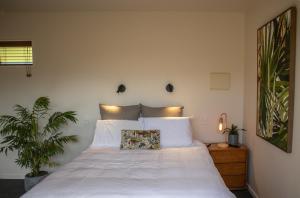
(122, 5)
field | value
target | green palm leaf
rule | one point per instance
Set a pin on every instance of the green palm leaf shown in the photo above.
(36, 145)
(273, 77)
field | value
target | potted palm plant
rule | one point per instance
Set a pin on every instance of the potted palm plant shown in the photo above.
(233, 135)
(35, 142)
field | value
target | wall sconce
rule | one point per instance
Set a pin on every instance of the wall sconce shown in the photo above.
(221, 127)
(169, 88)
(121, 88)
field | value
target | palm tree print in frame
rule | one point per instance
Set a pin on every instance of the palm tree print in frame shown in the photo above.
(276, 43)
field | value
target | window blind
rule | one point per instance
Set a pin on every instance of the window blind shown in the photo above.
(15, 53)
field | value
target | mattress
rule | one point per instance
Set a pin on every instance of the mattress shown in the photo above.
(114, 173)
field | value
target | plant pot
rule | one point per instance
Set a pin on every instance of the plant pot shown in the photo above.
(29, 182)
(233, 139)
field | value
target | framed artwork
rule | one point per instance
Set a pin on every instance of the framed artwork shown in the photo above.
(276, 48)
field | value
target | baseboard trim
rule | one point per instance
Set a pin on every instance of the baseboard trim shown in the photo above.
(252, 192)
(11, 176)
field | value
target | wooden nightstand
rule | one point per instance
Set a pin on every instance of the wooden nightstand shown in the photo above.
(232, 164)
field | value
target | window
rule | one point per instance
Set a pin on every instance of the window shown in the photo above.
(15, 53)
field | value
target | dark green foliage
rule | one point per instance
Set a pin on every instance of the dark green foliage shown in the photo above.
(233, 130)
(273, 80)
(34, 143)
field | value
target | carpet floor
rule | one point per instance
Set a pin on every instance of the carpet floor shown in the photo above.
(14, 188)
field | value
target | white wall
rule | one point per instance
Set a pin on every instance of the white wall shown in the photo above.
(272, 172)
(80, 58)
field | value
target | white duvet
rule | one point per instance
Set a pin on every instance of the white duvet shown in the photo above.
(110, 172)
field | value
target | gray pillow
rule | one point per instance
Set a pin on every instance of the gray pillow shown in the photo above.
(162, 111)
(109, 112)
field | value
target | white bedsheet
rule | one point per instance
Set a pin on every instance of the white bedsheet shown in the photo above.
(107, 172)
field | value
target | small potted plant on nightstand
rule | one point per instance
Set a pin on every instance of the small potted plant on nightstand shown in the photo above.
(233, 135)
(35, 144)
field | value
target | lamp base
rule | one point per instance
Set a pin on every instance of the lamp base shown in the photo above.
(222, 145)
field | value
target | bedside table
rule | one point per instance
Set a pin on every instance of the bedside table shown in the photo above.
(232, 164)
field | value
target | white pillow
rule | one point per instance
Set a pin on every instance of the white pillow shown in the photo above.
(174, 131)
(108, 132)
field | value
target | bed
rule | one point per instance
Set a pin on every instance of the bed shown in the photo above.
(110, 172)
(180, 168)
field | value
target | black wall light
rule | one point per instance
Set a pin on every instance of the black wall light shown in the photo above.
(170, 88)
(121, 88)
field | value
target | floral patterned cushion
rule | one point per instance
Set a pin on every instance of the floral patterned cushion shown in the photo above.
(139, 139)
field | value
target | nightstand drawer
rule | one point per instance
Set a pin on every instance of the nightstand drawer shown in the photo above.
(231, 163)
(232, 168)
(235, 181)
(230, 156)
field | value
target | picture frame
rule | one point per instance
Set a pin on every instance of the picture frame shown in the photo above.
(276, 54)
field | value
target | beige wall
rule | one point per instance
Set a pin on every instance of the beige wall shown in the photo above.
(272, 172)
(80, 58)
